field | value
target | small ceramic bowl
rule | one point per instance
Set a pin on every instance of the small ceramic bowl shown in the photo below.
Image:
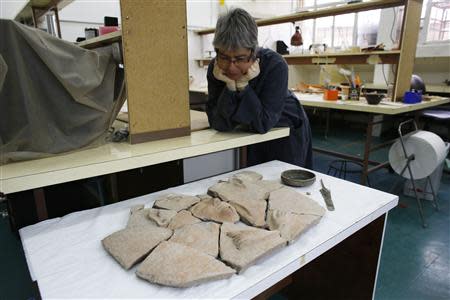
(373, 98)
(298, 177)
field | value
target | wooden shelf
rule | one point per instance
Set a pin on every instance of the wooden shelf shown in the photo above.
(320, 13)
(41, 7)
(385, 57)
(101, 40)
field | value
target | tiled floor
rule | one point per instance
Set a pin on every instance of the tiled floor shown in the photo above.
(414, 263)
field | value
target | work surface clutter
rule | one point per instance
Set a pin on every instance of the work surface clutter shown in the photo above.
(186, 240)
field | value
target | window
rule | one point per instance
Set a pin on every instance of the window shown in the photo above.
(361, 29)
(434, 21)
(339, 31)
(438, 13)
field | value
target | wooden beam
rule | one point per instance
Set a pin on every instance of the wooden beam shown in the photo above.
(320, 13)
(408, 44)
(40, 7)
(156, 68)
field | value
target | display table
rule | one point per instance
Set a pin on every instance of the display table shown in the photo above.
(66, 258)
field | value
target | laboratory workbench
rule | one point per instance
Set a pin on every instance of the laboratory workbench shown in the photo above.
(338, 258)
(384, 107)
(116, 157)
(370, 112)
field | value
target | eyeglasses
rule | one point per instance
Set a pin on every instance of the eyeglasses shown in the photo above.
(224, 61)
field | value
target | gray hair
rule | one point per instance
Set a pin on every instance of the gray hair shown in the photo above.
(235, 30)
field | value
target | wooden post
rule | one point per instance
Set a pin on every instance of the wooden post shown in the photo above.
(408, 45)
(154, 39)
(58, 25)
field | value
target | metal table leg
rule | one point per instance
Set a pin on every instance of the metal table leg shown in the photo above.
(367, 145)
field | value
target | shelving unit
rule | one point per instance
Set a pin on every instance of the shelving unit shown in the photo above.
(385, 57)
(101, 40)
(155, 56)
(402, 58)
(34, 9)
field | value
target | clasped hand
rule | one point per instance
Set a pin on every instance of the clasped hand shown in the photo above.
(242, 82)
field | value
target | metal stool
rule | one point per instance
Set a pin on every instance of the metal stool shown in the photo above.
(340, 168)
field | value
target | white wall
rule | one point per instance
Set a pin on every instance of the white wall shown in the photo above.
(75, 17)
(10, 8)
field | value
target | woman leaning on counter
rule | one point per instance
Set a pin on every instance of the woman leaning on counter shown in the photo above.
(248, 87)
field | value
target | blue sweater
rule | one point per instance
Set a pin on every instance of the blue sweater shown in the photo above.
(265, 103)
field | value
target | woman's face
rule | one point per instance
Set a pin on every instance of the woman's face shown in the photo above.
(235, 63)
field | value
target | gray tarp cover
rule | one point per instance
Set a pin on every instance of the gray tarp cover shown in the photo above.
(54, 96)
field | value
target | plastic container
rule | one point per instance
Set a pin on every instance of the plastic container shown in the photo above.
(345, 91)
(355, 92)
(330, 95)
(412, 97)
(108, 29)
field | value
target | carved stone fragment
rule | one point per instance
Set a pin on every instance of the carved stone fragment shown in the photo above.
(269, 185)
(290, 225)
(213, 209)
(182, 218)
(202, 236)
(292, 213)
(162, 217)
(130, 245)
(246, 197)
(175, 201)
(248, 176)
(242, 245)
(287, 199)
(176, 265)
(139, 217)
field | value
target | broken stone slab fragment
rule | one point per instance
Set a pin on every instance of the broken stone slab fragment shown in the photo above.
(214, 209)
(204, 196)
(237, 188)
(139, 217)
(130, 245)
(177, 265)
(202, 236)
(248, 198)
(182, 218)
(162, 217)
(252, 212)
(248, 176)
(292, 213)
(175, 201)
(242, 245)
(287, 199)
(289, 224)
(269, 185)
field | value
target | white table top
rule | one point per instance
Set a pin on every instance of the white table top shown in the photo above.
(66, 257)
(384, 107)
(116, 157)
